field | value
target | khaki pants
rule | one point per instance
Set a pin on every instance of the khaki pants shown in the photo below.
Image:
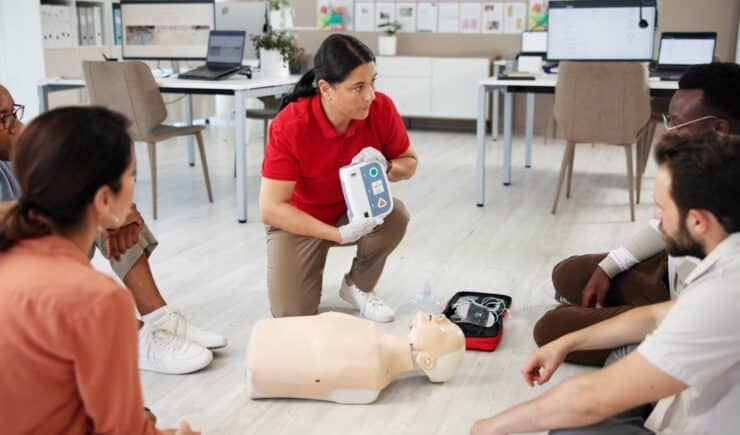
(295, 264)
(645, 283)
(145, 246)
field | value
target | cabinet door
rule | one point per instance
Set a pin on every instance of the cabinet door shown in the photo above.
(454, 86)
(404, 66)
(410, 94)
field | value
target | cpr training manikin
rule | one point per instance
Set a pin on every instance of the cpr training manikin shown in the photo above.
(345, 359)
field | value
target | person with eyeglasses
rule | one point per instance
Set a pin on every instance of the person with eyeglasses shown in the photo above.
(168, 343)
(596, 287)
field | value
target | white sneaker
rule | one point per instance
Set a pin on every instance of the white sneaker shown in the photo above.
(370, 305)
(175, 322)
(164, 352)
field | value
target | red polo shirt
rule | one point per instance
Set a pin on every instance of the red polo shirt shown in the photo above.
(304, 147)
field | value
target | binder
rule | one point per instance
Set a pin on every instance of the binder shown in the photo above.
(90, 26)
(97, 13)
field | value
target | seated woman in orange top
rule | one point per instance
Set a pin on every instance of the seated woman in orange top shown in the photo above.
(68, 333)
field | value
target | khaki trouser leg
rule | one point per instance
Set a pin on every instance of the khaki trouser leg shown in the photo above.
(374, 248)
(144, 246)
(295, 270)
(295, 264)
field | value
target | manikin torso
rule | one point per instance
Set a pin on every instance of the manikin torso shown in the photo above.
(345, 359)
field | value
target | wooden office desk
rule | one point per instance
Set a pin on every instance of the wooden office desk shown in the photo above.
(238, 86)
(542, 85)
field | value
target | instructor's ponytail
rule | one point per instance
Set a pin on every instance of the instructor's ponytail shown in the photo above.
(336, 58)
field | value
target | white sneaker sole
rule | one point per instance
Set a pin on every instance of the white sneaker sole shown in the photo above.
(146, 366)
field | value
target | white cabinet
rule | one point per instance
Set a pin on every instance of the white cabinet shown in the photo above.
(432, 87)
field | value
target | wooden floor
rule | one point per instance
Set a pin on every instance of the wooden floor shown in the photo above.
(213, 269)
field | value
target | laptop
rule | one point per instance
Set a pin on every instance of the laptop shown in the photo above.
(680, 50)
(225, 52)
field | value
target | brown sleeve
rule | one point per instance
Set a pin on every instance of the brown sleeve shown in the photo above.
(106, 366)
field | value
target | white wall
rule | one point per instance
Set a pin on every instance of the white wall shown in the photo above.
(21, 51)
(3, 74)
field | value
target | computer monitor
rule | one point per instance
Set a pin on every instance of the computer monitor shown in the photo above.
(534, 42)
(606, 30)
(250, 17)
(686, 48)
(167, 30)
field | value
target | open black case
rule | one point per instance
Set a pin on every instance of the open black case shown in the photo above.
(479, 337)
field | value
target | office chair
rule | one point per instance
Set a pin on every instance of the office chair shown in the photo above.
(603, 102)
(130, 88)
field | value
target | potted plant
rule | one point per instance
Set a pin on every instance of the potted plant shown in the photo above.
(277, 51)
(387, 43)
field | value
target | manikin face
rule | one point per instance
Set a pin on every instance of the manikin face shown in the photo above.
(439, 345)
(673, 227)
(352, 97)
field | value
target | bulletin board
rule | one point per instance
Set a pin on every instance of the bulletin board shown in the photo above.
(429, 16)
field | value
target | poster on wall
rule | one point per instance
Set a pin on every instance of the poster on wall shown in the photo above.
(384, 12)
(427, 17)
(537, 15)
(334, 15)
(493, 18)
(365, 16)
(470, 17)
(449, 17)
(515, 17)
(406, 15)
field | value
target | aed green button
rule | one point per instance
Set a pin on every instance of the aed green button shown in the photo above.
(373, 172)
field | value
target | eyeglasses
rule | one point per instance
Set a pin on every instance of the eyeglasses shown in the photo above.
(16, 113)
(668, 123)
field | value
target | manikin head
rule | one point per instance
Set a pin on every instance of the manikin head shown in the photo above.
(438, 346)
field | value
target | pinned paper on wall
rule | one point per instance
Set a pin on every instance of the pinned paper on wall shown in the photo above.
(384, 13)
(470, 17)
(406, 15)
(449, 17)
(493, 17)
(515, 16)
(365, 16)
(427, 17)
(537, 15)
(334, 15)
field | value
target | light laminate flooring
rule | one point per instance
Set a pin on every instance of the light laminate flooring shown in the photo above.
(213, 269)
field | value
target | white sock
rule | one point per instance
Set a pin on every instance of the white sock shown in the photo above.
(155, 315)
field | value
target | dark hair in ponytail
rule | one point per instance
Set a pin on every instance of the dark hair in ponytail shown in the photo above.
(336, 58)
(62, 158)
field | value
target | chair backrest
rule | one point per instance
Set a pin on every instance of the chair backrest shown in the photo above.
(606, 102)
(128, 88)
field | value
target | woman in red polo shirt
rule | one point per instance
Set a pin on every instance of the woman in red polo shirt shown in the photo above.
(334, 117)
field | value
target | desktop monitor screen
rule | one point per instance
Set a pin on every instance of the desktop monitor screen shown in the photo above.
(175, 30)
(225, 47)
(534, 42)
(601, 30)
(684, 49)
(250, 17)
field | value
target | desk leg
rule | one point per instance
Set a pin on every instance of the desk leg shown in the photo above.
(43, 92)
(189, 121)
(494, 115)
(240, 154)
(529, 129)
(480, 136)
(508, 120)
